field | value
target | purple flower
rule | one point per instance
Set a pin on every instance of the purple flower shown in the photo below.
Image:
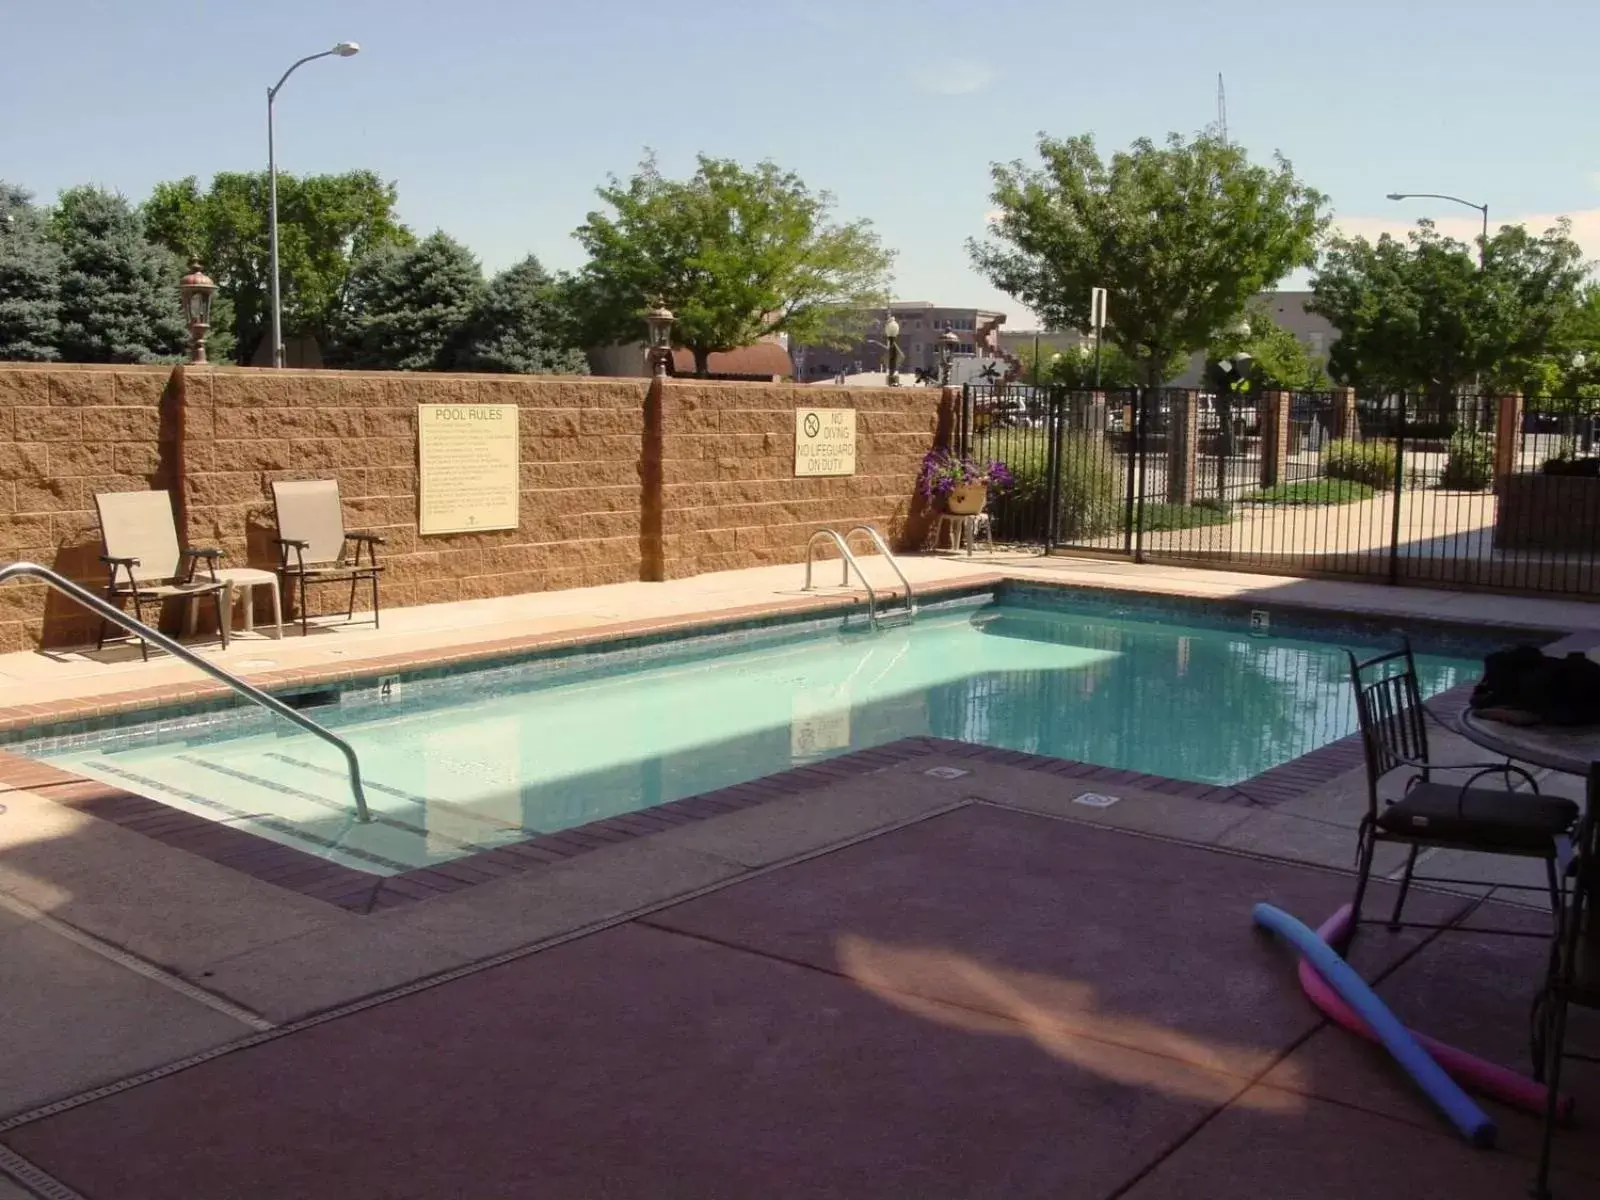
(943, 472)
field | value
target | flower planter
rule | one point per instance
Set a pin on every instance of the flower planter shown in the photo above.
(967, 500)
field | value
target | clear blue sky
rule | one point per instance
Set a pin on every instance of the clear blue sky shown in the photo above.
(497, 119)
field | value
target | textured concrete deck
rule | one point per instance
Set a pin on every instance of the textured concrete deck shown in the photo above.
(983, 1003)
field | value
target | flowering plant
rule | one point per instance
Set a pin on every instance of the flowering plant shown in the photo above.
(943, 472)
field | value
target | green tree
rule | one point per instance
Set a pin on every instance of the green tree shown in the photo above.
(1181, 236)
(1073, 367)
(119, 292)
(411, 308)
(522, 326)
(1423, 314)
(736, 255)
(1278, 360)
(325, 224)
(30, 275)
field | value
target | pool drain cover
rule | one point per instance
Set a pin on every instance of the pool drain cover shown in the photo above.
(946, 772)
(1096, 800)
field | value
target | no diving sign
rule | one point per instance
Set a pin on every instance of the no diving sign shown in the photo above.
(825, 441)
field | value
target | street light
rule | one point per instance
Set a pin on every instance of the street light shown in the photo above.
(1483, 246)
(658, 324)
(891, 335)
(194, 292)
(948, 342)
(340, 50)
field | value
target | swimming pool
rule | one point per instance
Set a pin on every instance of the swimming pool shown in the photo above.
(460, 763)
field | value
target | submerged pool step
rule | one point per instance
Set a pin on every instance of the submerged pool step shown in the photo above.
(296, 804)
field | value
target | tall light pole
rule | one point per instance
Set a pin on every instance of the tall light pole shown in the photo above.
(342, 50)
(1483, 246)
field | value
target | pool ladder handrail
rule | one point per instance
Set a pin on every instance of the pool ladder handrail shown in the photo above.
(849, 561)
(109, 612)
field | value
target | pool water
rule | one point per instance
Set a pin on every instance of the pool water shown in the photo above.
(471, 764)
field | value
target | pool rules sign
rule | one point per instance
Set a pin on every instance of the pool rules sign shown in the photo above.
(824, 441)
(469, 467)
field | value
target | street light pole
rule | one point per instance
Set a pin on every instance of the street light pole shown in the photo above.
(1483, 245)
(342, 50)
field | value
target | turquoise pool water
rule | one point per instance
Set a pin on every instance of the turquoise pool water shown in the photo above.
(463, 763)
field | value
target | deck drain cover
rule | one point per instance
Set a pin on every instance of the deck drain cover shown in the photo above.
(1096, 800)
(946, 772)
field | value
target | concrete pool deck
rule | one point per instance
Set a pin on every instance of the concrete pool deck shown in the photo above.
(126, 955)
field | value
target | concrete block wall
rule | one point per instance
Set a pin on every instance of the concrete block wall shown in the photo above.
(730, 498)
(618, 483)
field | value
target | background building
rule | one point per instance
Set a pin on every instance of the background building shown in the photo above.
(921, 323)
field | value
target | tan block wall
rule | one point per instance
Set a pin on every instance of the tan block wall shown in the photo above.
(67, 433)
(729, 495)
(590, 503)
(580, 481)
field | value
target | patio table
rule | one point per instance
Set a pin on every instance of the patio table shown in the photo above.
(1567, 749)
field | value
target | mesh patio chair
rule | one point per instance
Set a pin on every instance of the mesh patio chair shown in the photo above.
(145, 564)
(314, 546)
(1574, 973)
(1487, 820)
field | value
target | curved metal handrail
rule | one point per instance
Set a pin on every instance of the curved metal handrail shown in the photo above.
(894, 564)
(848, 560)
(255, 695)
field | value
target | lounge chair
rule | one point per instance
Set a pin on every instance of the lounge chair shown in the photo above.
(314, 546)
(146, 564)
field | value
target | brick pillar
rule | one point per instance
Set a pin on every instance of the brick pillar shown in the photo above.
(1274, 438)
(1507, 434)
(1345, 422)
(652, 555)
(172, 439)
(1183, 445)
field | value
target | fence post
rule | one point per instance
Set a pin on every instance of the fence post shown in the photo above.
(1183, 448)
(1346, 424)
(1507, 436)
(1275, 438)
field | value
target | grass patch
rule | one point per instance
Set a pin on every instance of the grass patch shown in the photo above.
(1314, 491)
(1160, 517)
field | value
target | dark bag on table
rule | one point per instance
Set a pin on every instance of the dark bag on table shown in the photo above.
(1527, 687)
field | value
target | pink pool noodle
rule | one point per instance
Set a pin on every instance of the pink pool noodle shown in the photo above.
(1489, 1078)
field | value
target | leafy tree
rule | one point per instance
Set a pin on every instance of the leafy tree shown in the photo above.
(1181, 236)
(736, 255)
(325, 224)
(522, 326)
(30, 274)
(1424, 315)
(119, 292)
(1278, 360)
(411, 308)
(1073, 367)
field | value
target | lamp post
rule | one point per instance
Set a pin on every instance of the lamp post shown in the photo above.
(658, 323)
(891, 335)
(195, 291)
(341, 50)
(1483, 245)
(948, 342)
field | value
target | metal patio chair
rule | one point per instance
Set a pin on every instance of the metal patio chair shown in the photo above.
(314, 546)
(1485, 820)
(1574, 973)
(145, 564)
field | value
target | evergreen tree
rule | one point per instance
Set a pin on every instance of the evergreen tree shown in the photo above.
(119, 292)
(30, 276)
(411, 309)
(522, 327)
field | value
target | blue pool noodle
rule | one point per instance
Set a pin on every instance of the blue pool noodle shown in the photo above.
(1397, 1040)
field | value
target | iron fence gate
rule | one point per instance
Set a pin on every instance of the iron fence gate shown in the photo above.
(1465, 491)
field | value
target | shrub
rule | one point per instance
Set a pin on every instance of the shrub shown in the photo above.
(1469, 462)
(1371, 463)
(1093, 487)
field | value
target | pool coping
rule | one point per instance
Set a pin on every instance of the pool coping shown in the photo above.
(357, 891)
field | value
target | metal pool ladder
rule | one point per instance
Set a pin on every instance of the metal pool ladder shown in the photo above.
(255, 695)
(849, 562)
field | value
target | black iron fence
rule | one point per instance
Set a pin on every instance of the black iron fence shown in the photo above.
(1465, 491)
